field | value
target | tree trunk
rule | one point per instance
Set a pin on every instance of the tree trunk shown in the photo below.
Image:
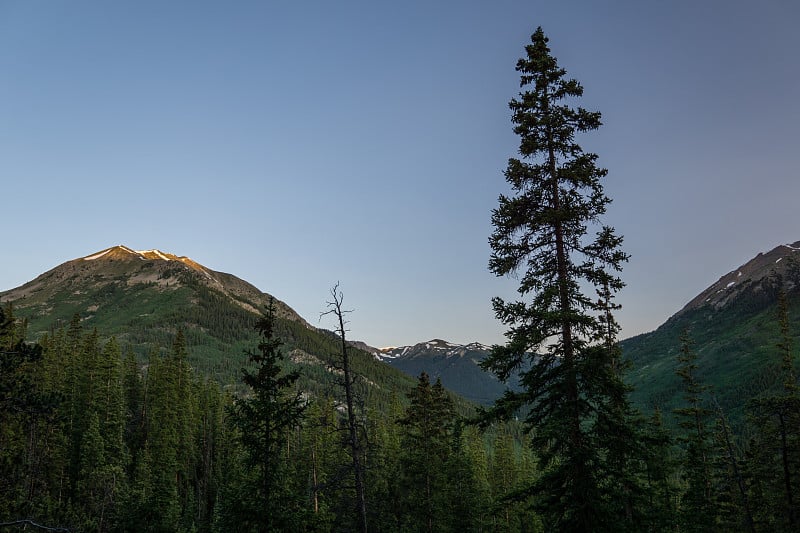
(563, 289)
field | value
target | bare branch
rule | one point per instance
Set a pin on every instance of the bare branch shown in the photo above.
(335, 308)
(34, 524)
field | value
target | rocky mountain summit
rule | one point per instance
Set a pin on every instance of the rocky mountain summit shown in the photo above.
(782, 261)
(84, 284)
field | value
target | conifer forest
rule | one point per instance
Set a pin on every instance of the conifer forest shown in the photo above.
(98, 437)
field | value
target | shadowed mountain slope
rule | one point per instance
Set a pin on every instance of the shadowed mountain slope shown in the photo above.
(734, 326)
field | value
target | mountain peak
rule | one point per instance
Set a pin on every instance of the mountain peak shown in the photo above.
(120, 269)
(122, 252)
(750, 275)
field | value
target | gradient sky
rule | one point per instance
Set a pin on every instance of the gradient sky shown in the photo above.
(295, 144)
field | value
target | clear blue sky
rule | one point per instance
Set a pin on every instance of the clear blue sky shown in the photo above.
(295, 144)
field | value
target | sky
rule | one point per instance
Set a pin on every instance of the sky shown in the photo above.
(300, 144)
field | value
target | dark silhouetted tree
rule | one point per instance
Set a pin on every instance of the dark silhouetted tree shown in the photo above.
(572, 389)
(354, 440)
(264, 418)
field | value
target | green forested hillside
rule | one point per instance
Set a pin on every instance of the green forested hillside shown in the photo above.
(735, 345)
(125, 404)
(92, 440)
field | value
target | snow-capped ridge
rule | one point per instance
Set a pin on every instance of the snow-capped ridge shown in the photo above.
(432, 348)
(119, 251)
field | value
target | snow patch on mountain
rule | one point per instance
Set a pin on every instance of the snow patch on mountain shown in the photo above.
(157, 253)
(97, 255)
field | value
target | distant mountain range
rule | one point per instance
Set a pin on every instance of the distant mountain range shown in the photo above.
(455, 364)
(144, 297)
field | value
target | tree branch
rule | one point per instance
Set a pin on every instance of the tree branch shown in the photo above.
(34, 524)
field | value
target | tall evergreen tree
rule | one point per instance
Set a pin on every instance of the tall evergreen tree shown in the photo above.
(698, 508)
(209, 444)
(321, 459)
(426, 450)
(384, 493)
(186, 420)
(542, 232)
(163, 509)
(661, 475)
(264, 419)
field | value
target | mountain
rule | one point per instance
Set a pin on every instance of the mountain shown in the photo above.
(144, 297)
(455, 364)
(734, 327)
(60, 292)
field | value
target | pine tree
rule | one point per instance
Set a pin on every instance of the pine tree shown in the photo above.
(322, 456)
(96, 487)
(133, 391)
(464, 491)
(386, 447)
(209, 445)
(426, 450)
(111, 401)
(163, 508)
(661, 469)
(186, 416)
(698, 508)
(505, 481)
(541, 232)
(264, 420)
(101, 457)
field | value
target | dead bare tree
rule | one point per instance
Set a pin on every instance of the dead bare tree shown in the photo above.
(353, 442)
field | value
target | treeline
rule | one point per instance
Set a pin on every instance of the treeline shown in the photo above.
(92, 440)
